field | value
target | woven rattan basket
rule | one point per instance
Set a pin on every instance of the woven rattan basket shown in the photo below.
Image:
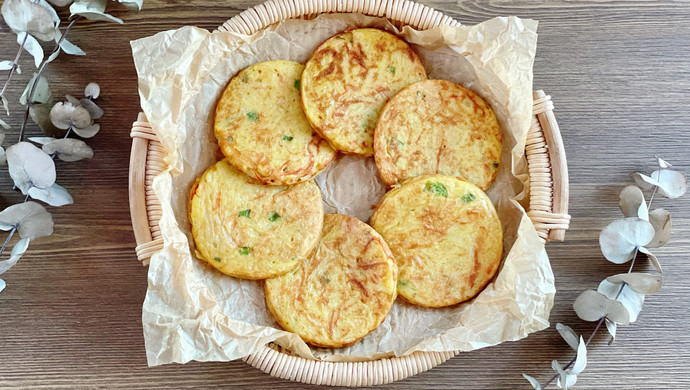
(548, 206)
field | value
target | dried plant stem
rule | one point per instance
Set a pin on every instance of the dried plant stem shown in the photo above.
(14, 65)
(30, 99)
(7, 241)
(602, 319)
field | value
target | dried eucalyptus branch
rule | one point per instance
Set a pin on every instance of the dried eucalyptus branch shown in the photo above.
(32, 168)
(619, 298)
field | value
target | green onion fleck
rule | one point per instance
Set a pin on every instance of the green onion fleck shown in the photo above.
(245, 213)
(296, 84)
(391, 69)
(244, 250)
(288, 138)
(436, 189)
(398, 141)
(468, 197)
(216, 258)
(273, 216)
(253, 116)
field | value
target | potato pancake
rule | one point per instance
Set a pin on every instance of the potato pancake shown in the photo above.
(250, 230)
(437, 126)
(348, 79)
(341, 292)
(445, 236)
(262, 130)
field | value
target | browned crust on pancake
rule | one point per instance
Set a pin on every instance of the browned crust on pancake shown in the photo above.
(343, 291)
(437, 126)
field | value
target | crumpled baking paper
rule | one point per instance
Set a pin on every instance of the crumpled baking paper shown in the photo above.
(192, 312)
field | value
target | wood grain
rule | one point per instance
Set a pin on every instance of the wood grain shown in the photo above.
(619, 74)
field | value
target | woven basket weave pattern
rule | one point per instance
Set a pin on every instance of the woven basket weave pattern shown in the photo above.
(548, 183)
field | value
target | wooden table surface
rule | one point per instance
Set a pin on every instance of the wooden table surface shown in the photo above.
(619, 74)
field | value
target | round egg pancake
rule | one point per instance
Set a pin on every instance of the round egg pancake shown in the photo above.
(445, 236)
(437, 126)
(250, 230)
(348, 79)
(262, 130)
(343, 291)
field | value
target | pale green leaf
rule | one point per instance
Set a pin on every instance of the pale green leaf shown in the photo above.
(88, 131)
(630, 300)
(132, 4)
(25, 16)
(94, 111)
(69, 149)
(60, 3)
(92, 10)
(532, 381)
(3, 158)
(2, 285)
(6, 65)
(568, 335)
(580, 360)
(70, 48)
(92, 90)
(42, 140)
(661, 221)
(620, 238)
(662, 163)
(42, 92)
(611, 327)
(32, 46)
(40, 115)
(645, 182)
(5, 105)
(29, 167)
(639, 282)
(55, 195)
(32, 219)
(672, 184)
(51, 11)
(632, 203)
(652, 258)
(5, 126)
(591, 305)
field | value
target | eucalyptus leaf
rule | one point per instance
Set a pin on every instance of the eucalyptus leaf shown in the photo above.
(6, 107)
(70, 48)
(662, 163)
(88, 131)
(591, 305)
(639, 282)
(29, 167)
(620, 238)
(55, 195)
(632, 203)
(53, 56)
(611, 327)
(532, 381)
(9, 263)
(93, 91)
(61, 115)
(92, 10)
(652, 258)
(629, 299)
(5, 126)
(3, 157)
(94, 111)
(69, 149)
(132, 4)
(60, 3)
(51, 11)
(661, 221)
(568, 335)
(580, 359)
(75, 102)
(564, 380)
(32, 219)
(25, 16)
(42, 92)
(40, 115)
(42, 140)
(32, 46)
(672, 184)
(6, 65)
(2, 285)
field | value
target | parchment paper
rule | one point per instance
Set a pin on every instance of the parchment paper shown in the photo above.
(192, 312)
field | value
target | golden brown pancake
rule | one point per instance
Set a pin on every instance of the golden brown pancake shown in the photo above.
(348, 79)
(250, 230)
(341, 292)
(437, 126)
(262, 130)
(445, 236)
